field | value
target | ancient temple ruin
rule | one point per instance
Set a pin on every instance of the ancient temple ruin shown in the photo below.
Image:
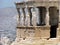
(35, 23)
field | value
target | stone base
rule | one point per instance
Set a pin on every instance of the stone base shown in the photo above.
(37, 31)
(53, 41)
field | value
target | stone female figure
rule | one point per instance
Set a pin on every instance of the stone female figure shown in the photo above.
(27, 17)
(35, 18)
(21, 17)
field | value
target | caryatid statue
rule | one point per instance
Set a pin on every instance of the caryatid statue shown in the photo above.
(27, 17)
(35, 16)
(21, 17)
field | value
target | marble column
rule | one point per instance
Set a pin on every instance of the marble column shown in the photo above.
(47, 17)
(27, 17)
(21, 17)
(38, 16)
(34, 16)
(18, 16)
(30, 16)
(24, 16)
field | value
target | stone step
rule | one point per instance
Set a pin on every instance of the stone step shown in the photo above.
(52, 41)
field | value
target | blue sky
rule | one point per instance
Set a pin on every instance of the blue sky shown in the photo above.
(8, 3)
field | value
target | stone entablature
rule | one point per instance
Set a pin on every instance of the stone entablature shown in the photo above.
(37, 4)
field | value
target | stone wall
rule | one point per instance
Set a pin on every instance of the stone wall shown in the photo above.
(41, 32)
